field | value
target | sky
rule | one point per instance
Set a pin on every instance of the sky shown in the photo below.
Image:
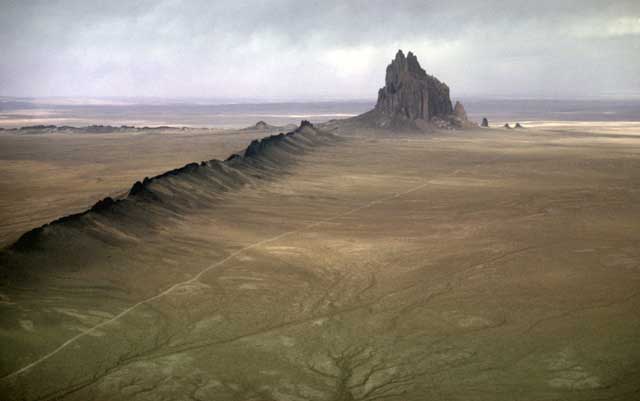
(316, 50)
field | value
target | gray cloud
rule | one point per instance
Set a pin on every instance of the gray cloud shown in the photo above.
(315, 49)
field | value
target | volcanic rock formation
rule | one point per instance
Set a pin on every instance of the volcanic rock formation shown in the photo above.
(411, 93)
(175, 192)
(262, 125)
(459, 111)
(459, 118)
(413, 98)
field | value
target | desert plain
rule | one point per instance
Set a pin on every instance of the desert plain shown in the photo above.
(46, 175)
(481, 264)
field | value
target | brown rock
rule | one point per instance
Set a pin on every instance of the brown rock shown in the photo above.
(459, 111)
(410, 93)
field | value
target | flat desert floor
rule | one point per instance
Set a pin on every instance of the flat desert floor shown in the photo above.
(476, 265)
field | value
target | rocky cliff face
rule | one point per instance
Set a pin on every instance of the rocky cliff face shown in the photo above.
(410, 93)
(412, 99)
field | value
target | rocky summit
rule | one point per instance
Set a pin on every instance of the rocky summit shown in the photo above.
(410, 93)
(413, 98)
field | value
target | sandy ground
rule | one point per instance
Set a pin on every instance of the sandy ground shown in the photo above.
(478, 265)
(591, 127)
(47, 176)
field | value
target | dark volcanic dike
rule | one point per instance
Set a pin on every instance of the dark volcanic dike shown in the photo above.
(152, 204)
(121, 252)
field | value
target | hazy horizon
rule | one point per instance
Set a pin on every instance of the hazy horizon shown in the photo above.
(217, 113)
(163, 100)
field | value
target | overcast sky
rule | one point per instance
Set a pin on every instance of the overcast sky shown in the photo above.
(296, 49)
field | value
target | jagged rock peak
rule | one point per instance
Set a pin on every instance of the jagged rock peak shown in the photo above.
(409, 63)
(410, 93)
(459, 111)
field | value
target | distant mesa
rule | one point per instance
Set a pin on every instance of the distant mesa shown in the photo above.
(108, 129)
(261, 125)
(264, 126)
(411, 98)
(485, 123)
(41, 126)
(90, 129)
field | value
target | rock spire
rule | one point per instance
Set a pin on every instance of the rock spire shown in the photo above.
(410, 93)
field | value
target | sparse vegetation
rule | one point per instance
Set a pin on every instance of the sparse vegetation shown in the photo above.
(344, 276)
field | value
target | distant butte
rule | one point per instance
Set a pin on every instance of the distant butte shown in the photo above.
(411, 98)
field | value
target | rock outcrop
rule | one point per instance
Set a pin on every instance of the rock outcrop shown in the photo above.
(410, 93)
(485, 123)
(262, 125)
(411, 98)
(178, 191)
(91, 129)
(459, 111)
(459, 118)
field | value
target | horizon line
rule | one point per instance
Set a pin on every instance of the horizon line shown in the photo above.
(211, 101)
